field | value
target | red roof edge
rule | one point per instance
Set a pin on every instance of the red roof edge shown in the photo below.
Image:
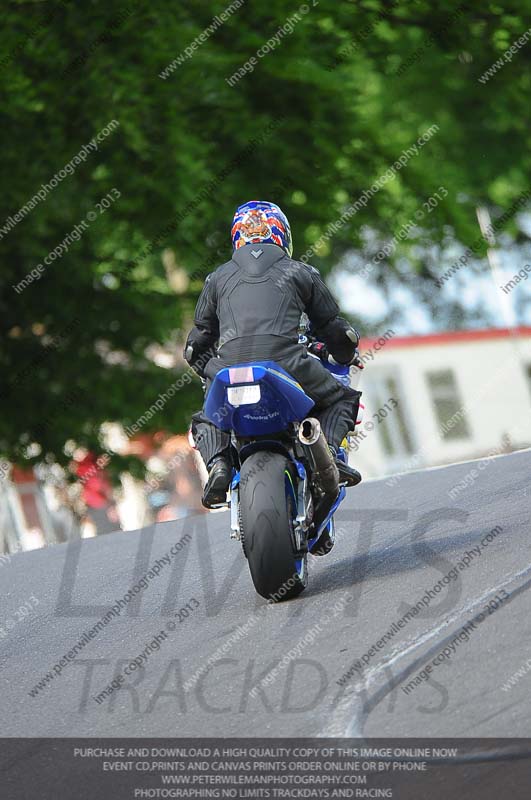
(447, 337)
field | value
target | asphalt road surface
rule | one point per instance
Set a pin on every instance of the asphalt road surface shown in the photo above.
(396, 543)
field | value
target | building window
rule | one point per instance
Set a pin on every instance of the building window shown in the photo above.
(396, 431)
(393, 431)
(448, 406)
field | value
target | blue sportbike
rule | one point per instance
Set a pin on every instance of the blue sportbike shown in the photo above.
(285, 487)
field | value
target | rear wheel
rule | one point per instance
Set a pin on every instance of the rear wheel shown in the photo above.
(276, 559)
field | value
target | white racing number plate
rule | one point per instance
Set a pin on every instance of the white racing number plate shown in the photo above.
(243, 395)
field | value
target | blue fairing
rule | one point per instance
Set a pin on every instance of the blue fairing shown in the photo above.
(339, 499)
(282, 400)
(341, 372)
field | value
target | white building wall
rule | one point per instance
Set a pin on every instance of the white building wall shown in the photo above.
(495, 393)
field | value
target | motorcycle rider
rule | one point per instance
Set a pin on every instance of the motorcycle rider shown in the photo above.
(249, 310)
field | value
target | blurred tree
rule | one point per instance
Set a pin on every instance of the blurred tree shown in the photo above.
(345, 88)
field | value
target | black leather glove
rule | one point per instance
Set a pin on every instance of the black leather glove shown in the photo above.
(355, 361)
(353, 335)
(195, 363)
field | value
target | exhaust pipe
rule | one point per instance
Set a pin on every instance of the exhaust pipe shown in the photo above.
(322, 460)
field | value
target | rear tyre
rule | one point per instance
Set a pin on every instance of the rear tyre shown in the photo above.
(268, 511)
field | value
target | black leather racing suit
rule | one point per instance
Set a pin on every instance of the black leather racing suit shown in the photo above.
(249, 310)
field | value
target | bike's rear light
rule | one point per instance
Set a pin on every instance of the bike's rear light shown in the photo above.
(241, 374)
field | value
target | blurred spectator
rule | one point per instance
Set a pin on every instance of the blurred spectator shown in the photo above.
(96, 492)
(176, 492)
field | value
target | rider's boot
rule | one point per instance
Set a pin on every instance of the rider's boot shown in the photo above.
(217, 485)
(347, 475)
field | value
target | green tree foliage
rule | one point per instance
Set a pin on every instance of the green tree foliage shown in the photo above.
(345, 89)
